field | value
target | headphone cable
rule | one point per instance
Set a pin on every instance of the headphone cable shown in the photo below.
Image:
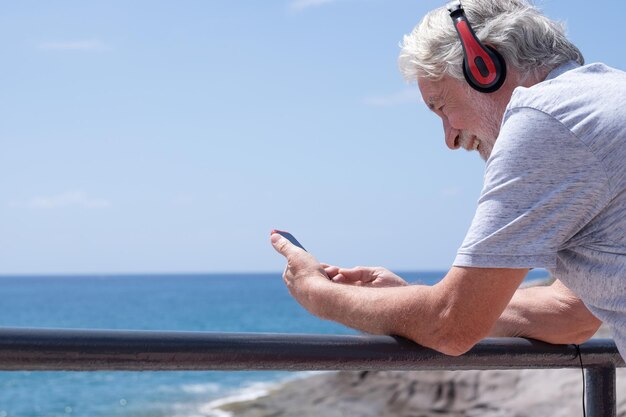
(582, 370)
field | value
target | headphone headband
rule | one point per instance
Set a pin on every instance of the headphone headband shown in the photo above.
(483, 67)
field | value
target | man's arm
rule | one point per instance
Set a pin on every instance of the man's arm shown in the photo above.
(450, 316)
(552, 313)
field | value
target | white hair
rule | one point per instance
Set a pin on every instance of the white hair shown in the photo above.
(528, 40)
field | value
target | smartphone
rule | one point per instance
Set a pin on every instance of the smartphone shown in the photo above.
(289, 237)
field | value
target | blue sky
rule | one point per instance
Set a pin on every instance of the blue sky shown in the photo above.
(146, 136)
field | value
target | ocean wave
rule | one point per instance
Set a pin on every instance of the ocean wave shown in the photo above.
(250, 392)
(208, 388)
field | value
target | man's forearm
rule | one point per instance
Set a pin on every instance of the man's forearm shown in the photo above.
(449, 317)
(549, 313)
(410, 312)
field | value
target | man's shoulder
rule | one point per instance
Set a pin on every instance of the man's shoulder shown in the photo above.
(587, 100)
(574, 88)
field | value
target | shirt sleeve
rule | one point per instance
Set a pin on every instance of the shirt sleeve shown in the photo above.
(542, 187)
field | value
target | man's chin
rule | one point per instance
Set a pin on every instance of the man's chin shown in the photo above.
(484, 153)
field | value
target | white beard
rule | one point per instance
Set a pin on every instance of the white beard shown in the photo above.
(487, 133)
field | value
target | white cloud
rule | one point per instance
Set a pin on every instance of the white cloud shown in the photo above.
(83, 45)
(395, 99)
(299, 5)
(69, 199)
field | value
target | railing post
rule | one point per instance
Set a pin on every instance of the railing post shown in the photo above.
(600, 397)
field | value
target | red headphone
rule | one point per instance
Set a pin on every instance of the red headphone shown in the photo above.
(483, 67)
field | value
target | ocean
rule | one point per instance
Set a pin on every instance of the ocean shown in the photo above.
(208, 302)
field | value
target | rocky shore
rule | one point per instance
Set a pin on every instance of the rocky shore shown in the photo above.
(507, 393)
(513, 393)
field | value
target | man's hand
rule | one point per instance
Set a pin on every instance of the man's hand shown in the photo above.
(302, 271)
(364, 276)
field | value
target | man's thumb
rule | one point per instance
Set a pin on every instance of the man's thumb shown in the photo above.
(282, 245)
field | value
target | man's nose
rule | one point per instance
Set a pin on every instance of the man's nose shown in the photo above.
(452, 136)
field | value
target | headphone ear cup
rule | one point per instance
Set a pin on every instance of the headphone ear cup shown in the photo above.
(500, 66)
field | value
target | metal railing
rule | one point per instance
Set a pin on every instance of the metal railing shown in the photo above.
(97, 350)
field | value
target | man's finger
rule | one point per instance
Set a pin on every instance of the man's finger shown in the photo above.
(331, 271)
(358, 273)
(338, 278)
(345, 278)
(284, 246)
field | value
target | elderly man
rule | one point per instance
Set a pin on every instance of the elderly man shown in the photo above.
(506, 83)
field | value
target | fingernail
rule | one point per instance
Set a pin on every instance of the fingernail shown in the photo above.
(276, 237)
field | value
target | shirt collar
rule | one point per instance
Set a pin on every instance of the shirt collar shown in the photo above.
(561, 69)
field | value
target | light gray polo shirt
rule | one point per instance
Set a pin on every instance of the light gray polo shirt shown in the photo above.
(554, 191)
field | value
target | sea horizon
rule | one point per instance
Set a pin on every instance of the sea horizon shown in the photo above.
(534, 273)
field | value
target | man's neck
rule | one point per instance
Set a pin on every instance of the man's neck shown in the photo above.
(529, 81)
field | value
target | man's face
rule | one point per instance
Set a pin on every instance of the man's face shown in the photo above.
(471, 120)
